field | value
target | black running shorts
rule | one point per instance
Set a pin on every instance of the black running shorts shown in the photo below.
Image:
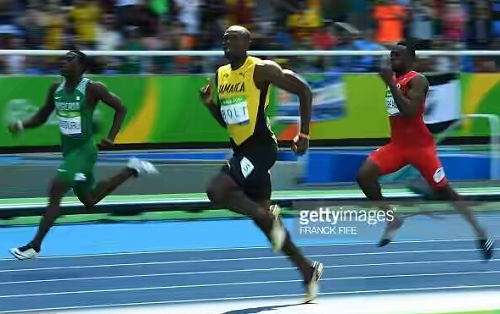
(250, 167)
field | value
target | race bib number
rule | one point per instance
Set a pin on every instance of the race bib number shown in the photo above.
(235, 111)
(390, 104)
(246, 167)
(70, 126)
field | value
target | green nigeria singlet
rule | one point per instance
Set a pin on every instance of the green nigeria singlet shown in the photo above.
(75, 119)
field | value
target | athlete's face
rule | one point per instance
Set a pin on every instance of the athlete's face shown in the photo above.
(235, 45)
(70, 65)
(398, 58)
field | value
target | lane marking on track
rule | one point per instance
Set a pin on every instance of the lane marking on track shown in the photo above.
(250, 270)
(230, 260)
(250, 283)
(240, 249)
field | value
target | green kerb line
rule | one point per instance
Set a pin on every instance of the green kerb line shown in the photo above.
(172, 215)
(201, 196)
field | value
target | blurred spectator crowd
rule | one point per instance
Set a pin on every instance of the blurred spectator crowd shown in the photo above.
(275, 25)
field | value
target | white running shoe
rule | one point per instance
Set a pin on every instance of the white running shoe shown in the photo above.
(312, 288)
(142, 166)
(24, 252)
(278, 231)
(390, 231)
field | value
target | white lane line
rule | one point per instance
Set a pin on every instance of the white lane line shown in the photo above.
(230, 260)
(408, 303)
(239, 249)
(251, 283)
(282, 296)
(197, 273)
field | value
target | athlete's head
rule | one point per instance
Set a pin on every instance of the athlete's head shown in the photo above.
(402, 57)
(236, 42)
(74, 63)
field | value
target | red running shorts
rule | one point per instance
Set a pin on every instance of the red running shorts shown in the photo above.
(390, 158)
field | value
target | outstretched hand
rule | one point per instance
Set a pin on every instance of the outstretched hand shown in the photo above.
(206, 93)
(16, 127)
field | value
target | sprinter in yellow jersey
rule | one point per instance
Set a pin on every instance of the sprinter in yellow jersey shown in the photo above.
(244, 183)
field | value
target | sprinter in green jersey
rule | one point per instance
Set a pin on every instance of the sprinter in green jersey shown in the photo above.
(74, 100)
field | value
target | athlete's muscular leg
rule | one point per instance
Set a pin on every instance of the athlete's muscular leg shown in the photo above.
(292, 251)
(224, 191)
(429, 165)
(58, 189)
(367, 179)
(447, 193)
(383, 161)
(90, 197)
(67, 173)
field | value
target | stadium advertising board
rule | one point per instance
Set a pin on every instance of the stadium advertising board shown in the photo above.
(166, 109)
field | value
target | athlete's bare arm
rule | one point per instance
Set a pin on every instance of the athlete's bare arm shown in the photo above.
(206, 94)
(408, 105)
(269, 72)
(99, 92)
(43, 113)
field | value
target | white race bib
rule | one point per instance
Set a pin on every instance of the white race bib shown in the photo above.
(246, 167)
(70, 126)
(236, 112)
(390, 104)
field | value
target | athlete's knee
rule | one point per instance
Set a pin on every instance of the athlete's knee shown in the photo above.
(367, 173)
(219, 187)
(214, 191)
(56, 192)
(445, 192)
(57, 189)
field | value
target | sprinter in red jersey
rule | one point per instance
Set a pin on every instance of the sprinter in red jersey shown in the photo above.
(411, 143)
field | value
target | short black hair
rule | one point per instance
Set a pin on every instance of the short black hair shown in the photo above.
(83, 59)
(409, 48)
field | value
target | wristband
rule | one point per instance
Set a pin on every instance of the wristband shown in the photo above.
(303, 135)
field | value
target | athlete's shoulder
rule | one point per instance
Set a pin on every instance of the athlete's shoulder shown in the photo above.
(264, 62)
(259, 61)
(267, 66)
(414, 74)
(419, 78)
(223, 68)
(95, 85)
(96, 88)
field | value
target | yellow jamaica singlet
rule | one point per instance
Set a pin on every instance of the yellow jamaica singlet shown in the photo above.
(242, 104)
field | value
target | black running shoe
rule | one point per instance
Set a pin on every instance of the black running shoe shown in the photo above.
(25, 252)
(487, 246)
